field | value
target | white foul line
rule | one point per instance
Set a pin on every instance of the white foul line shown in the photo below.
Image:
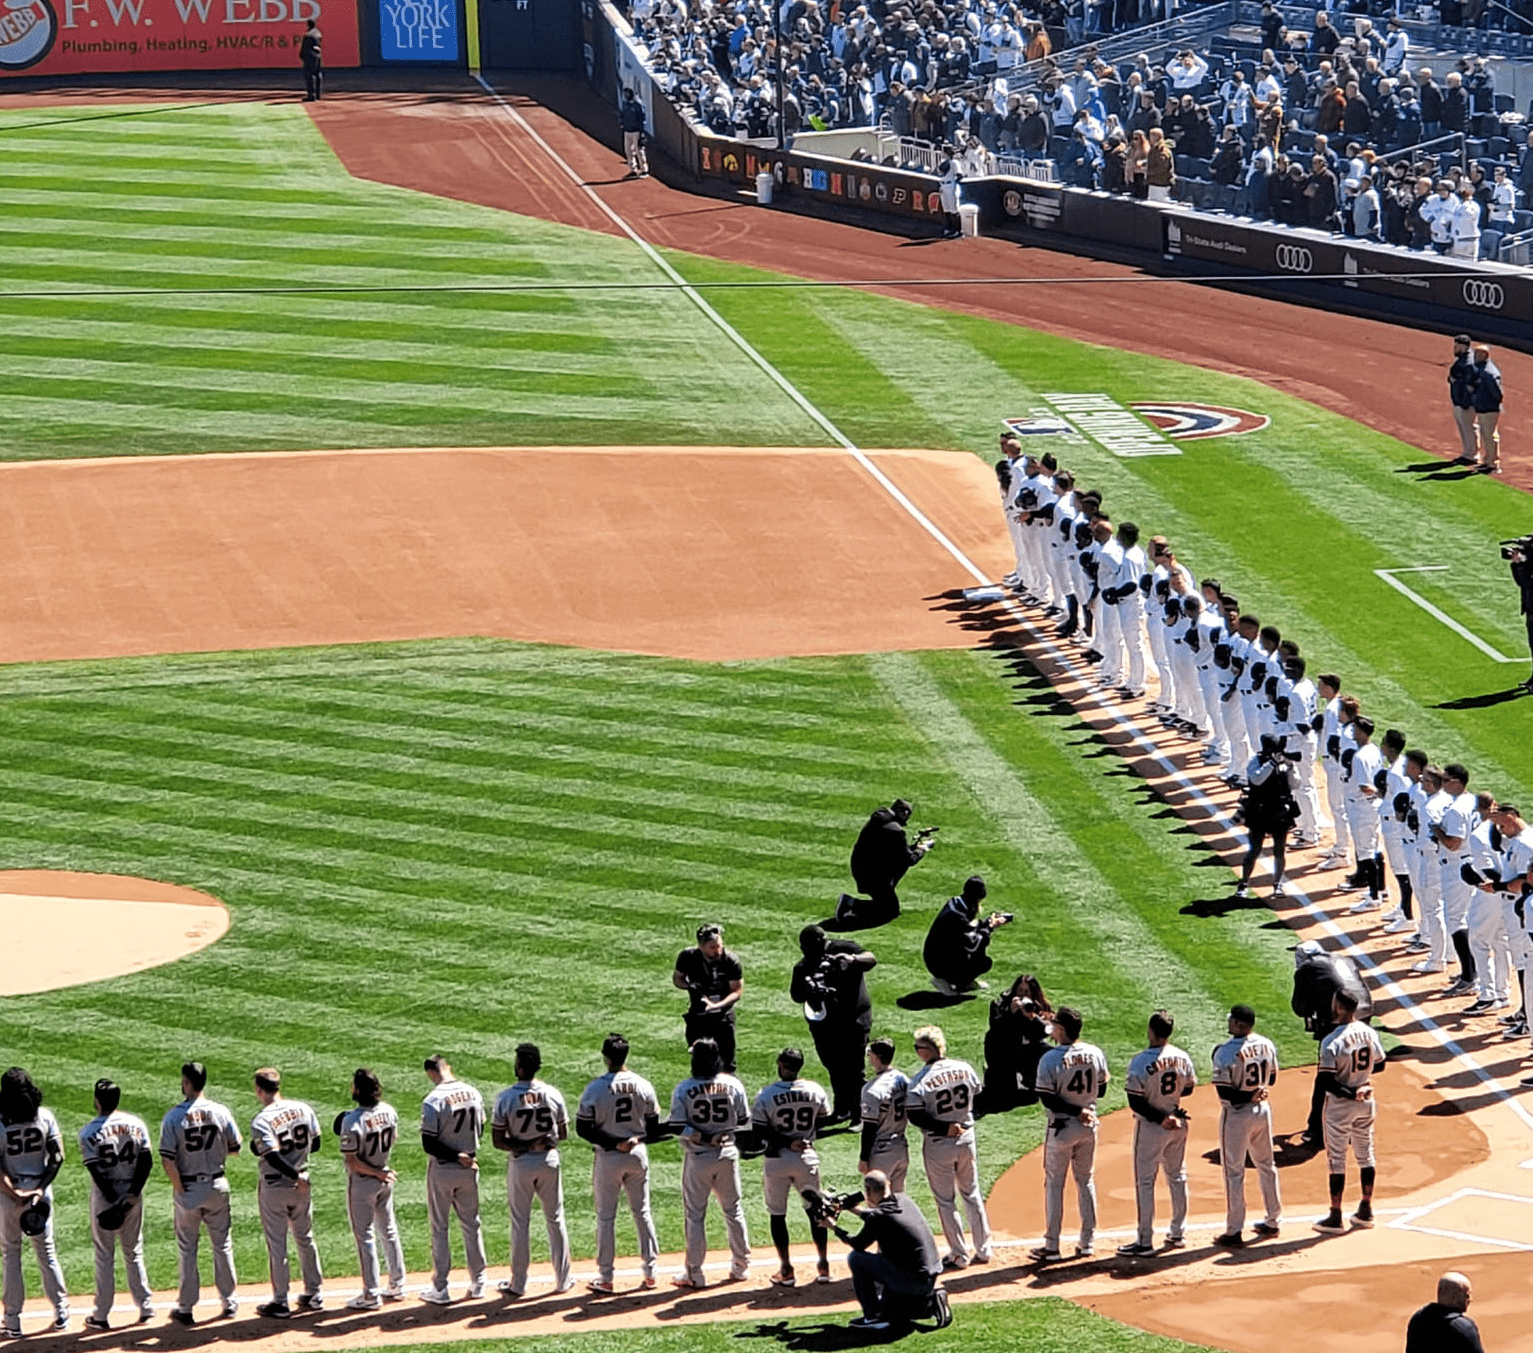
(1388, 575)
(1415, 1014)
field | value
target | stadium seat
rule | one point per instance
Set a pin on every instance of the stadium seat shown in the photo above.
(1500, 148)
(1524, 219)
(1475, 148)
(1490, 243)
(1505, 103)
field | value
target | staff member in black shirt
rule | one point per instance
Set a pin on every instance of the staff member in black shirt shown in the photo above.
(956, 946)
(906, 1265)
(1519, 554)
(880, 860)
(830, 982)
(713, 980)
(310, 53)
(1441, 1326)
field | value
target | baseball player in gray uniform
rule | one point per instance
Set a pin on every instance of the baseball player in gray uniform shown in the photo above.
(618, 1113)
(710, 1108)
(1159, 1079)
(883, 1117)
(452, 1124)
(1071, 1078)
(940, 1101)
(31, 1155)
(1245, 1070)
(283, 1136)
(366, 1135)
(785, 1118)
(115, 1150)
(196, 1138)
(1350, 1056)
(529, 1122)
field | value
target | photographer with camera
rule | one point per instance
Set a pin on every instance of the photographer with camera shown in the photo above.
(955, 950)
(1519, 554)
(906, 1266)
(830, 983)
(1269, 809)
(713, 980)
(1015, 1042)
(880, 859)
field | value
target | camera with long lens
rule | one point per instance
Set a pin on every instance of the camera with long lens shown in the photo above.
(1518, 550)
(824, 1208)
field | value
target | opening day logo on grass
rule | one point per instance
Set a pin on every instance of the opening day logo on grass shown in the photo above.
(1188, 422)
(1138, 429)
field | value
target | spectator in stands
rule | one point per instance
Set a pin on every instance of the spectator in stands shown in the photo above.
(1455, 110)
(1145, 115)
(1320, 194)
(1439, 211)
(1269, 122)
(1417, 218)
(1033, 136)
(1322, 148)
(1396, 48)
(1408, 124)
(1199, 140)
(1289, 205)
(1078, 161)
(1160, 167)
(1386, 115)
(1366, 210)
(1229, 158)
(1330, 109)
(1503, 202)
(1466, 225)
(1480, 88)
(1295, 83)
(1187, 71)
(1267, 85)
(1272, 25)
(1115, 164)
(1357, 120)
(1039, 44)
(1239, 106)
(1395, 194)
(1431, 96)
(1060, 103)
(1261, 168)
(1325, 39)
(1480, 185)
(1137, 163)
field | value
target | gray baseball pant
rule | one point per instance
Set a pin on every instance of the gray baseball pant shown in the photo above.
(1246, 1130)
(894, 1161)
(1069, 1148)
(287, 1208)
(11, 1236)
(205, 1203)
(1156, 1151)
(614, 1173)
(452, 1189)
(536, 1175)
(129, 1237)
(713, 1171)
(952, 1171)
(370, 1205)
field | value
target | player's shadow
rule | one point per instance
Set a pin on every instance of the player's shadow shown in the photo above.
(1485, 701)
(837, 926)
(931, 1000)
(1216, 908)
(825, 1337)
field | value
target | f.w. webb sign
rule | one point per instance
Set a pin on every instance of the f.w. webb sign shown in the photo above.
(74, 37)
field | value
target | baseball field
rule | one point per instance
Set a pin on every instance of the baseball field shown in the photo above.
(445, 592)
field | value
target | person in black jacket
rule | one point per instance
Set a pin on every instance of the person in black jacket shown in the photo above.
(880, 859)
(1441, 1326)
(311, 56)
(955, 950)
(1015, 1042)
(1519, 554)
(1461, 395)
(830, 981)
(1485, 398)
(1317, 977)
(906, 1265)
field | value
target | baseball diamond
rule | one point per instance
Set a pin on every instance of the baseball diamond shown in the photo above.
(465, 571)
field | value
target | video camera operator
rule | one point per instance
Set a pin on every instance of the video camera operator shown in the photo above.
(906, 1265)
(880, 859)
(955, 950)
(830, 982)
(1269, 808)
(1317, 977)
(1519, 554)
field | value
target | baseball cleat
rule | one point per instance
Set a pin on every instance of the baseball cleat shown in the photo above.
(1280, 889)
(231, 1308)
(365, 1301)
(1358, 908)
(648, 1284)
(11, 1329)
(687, 1284)
(1331, 1225)
(1483, 1007)
(822, 1274)
(1363, 1220)
(1136, 1251)
(568, 1285)
(274, 1310)
(600, 1287)
(146, 1313)
(1458, 987)
(981, 1257)
(1085, 1251)
(180, 1317)
(1527, 1082)
(311, 1301)
(394, 1293)
(1398, 925)
(506, 1290)
(784, 1278)
(476, 1288)
(1351, 885)
(868, 1322)
(1428, 965)
(1044, 1255)
(1242, 890)
(101, 1326)
(1267, 1229)
(1176, 1242)
(437, 1296)
(1231, 1240)
(954, 1261)
(740, 1275)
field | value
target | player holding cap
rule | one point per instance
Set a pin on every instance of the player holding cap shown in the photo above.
(1350, 1056)
(367, 1135)
(452, 1124)
(283, 1136)
(1159, 1079)
(883, 1117)
(710, 1108)
(115, 1149)
(1245, 1070)
(31, 1155)
(1071, 1078)
(618, 1112)
(785, 1118)
(196, 1138)
(530, 1121)
(940, 1102)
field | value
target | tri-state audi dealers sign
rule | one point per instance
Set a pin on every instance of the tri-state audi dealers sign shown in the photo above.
(73, 37)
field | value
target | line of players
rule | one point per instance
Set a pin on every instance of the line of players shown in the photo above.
(618, 1113)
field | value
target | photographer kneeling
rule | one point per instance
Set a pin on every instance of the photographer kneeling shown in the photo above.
(906, 1265)
(1269, 808)
(955, 950)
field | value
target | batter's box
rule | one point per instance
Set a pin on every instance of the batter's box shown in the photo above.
(1477, 1216)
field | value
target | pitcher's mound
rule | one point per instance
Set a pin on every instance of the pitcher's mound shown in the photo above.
(63, 929)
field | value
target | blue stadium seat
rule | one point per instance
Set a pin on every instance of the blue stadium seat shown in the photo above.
(1490, 243)
(1505, 103)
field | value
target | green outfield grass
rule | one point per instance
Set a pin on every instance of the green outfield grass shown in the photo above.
(458, 846)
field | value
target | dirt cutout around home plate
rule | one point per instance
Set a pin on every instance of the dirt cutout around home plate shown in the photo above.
(710, 553)
(63, 929)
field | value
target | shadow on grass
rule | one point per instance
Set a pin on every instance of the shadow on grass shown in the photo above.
(931, 1000)
(1486, 701)
(825, 1337)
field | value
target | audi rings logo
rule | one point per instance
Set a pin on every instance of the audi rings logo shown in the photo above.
(1011, 202)
(1295, 258)
(1486, 295)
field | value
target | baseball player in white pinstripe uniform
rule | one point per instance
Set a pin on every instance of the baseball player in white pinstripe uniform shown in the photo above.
(367, 1135)
(883, 1117)
(710, 1107)
(1159, 1079)
(1245, 1070)
(452, 1125)
(1071, 1078)
(283, 1136)
(1429, 801)
(785, 1117)
(1350, 1056)
(115, 1149)
(529, 1122)
(940, 1101)
(618, 1113)
(196, 1138)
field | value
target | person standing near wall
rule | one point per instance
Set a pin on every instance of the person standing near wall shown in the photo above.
(630, 117)
(310, 54)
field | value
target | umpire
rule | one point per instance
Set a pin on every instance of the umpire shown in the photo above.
(1317, 977)
(830, 981)
(713, 980)
(880, 859)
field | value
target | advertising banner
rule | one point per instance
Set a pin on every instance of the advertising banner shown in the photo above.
(418, 30)
(76, 37)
